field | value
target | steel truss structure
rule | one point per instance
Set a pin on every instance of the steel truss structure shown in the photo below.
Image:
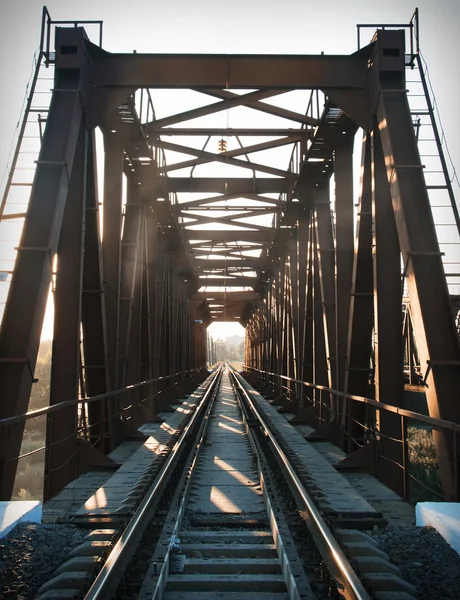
(262, 244)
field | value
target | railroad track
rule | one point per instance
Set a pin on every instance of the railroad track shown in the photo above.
(229, 515)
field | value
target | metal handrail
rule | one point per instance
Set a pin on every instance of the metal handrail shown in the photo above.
(371, 401)
(8, 421)
(350, 581)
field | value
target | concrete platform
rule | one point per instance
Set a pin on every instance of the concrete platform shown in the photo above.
(104, 492)
(226, 480)
(12, 513)
(444, 517)
(336, 496)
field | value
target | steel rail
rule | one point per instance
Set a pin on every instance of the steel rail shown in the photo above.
(162, 580)
(113, 568)
(334, 555)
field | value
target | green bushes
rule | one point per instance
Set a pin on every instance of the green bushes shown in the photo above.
(425, 481)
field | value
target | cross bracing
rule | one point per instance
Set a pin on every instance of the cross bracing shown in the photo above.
(229, 195)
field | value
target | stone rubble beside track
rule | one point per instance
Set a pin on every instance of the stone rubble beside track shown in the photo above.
(30, 554)
(425, 560)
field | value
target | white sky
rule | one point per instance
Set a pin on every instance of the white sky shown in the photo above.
(239, 26)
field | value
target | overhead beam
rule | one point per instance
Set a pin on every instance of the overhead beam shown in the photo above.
(226, 220)
(230, 250)
(227, 71)
(229, 296)
(226, 197)
(269, 109)
(244, 210)
(221, 263)
(229, 236)
(210, 157)
(230, 185)
(203, 111)
(232, 153)
(227, 282)
(228, 131)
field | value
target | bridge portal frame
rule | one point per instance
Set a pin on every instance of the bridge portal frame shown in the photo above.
(137, 319)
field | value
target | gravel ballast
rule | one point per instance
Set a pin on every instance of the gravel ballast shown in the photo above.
(425, 560)
(30, 554)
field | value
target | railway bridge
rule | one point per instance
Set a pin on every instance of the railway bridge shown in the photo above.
(166, 192)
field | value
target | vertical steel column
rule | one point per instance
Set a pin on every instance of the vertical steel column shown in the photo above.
(111, 246)
(152, 254)
(278, 322)
(389, 348)
(26, 304)
(93, 311)
(344, 242)
(133, 349)
(308, 336)
(302, 258)
(358, 371)
(146, 372)
(326, 266)
(320, 365)
(160, 308)
(434, 327)
(294, 308)
(61, 431)
(128, 274)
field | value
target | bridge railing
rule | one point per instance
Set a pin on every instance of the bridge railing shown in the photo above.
(96, 422)
(419, 465)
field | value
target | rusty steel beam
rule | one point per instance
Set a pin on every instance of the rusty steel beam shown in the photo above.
(268, 202)
(128, 274)
(326, 279)
(229, 281)
(434, 328)
(61, 430)
(245, 211)
(225, 220)
(236, 296)
(228, 71)
(93, 322)
(237, 100)
(230, 185)
(308, 326)
(321, 369)
(230, 131)
(362, 291)
(232, 153)
(28, 294)
(227, 264)
(389, 348)
(344, 249)
(225, 235)
(269, 109)
(210, 157)
(111, 247)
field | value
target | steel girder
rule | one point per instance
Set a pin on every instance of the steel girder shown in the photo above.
(140, 309)
(28, 294)
(437, 339)
(394, 222)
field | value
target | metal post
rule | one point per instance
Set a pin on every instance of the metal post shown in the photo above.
(389, 349)
(344, 250)
(61, 431)
(111, 246)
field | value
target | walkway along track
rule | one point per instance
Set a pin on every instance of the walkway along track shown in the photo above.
(228, 527)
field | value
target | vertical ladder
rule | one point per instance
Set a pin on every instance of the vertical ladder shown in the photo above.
(22, 165)
(440, 175)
